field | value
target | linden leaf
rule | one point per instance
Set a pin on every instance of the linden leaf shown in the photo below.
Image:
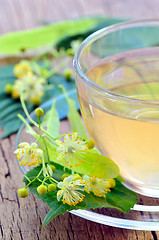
(121, 197)
(94, 163)
(12, 43)
(127, 198)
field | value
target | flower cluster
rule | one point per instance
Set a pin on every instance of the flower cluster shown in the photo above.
(72, 186)
(31, 77)
(29, 154)
(30, 84)
(70, 192)
(96, 185)
(72, 150)
(22, 69)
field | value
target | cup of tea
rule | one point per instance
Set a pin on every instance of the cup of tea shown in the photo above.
(117, 79)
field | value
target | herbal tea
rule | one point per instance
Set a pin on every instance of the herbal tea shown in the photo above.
(128, 135)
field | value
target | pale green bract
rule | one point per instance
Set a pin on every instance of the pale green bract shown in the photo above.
(51, 121)
(13, 43)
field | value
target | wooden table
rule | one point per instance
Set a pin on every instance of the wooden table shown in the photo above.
(22, 218)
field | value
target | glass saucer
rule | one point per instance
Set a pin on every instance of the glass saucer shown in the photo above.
(143, 216)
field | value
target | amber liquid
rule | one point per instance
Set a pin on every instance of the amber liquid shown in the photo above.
(128, 136)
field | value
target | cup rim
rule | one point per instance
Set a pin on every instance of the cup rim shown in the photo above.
(103, 32)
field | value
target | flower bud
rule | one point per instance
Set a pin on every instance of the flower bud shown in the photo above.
(76, 177)
(52, 167)
(42, 189)
(35, 100)
(39, 112)
(9, 88)
(70, 52)
(91, 144)
(64, 176)
(22, 192)
(15, 94)
(52, 187)
(112, 183)
(68, 73)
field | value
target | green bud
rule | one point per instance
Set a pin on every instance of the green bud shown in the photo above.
(112, 183)
(70, 52)
(39, 112)
(22, 192)
(64, 176)
(91, 144)
(68, 73)
(23, 49)
(42, 189)
(44, 73)
(8, 88)
(52, 167)
(52, 187)
(76, 177)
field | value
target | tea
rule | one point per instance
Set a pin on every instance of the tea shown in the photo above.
(129, 136)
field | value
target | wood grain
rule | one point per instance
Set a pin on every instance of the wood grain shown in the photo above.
(22, 218)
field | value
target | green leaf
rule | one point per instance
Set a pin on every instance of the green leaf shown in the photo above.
(94, 163)
(75, 119)
(51, 121)
(121, 197)
(90, 201)
(12, 43)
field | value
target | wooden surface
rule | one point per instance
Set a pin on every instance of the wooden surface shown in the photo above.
(22, 218)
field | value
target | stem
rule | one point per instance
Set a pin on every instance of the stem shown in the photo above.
(30, 119)
(43, 161)
(60, 136)
(48, 158)
(58, 67)
(44, 180)
(27, 178)
(39, 127)
(27, 125)
(39, 179)
(34, 178)
(53, 180)
(26, 111)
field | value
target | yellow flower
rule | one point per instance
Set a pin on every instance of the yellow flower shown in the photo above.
(28, 154)
(22, 68)
(96, 185)
(31, 86)
(72, 150)
(69, 192)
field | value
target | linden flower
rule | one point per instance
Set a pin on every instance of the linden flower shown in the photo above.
(69, 190)
(96, 185)
(72, 150)
(22, 68)
(28, 154)
(31, 86)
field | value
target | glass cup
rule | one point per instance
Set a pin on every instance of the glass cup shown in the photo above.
(117, 79)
